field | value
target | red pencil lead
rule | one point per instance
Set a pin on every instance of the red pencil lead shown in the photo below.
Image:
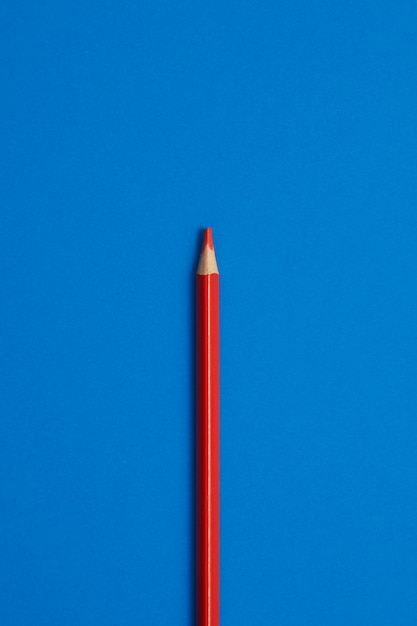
(207, 239)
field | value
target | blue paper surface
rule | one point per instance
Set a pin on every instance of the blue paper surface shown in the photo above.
(290, 128)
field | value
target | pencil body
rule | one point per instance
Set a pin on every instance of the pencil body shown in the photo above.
(207, 292)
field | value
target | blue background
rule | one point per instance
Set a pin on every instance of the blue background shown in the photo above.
(289, 127)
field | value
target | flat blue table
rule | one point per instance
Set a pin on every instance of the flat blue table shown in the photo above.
(290, 128)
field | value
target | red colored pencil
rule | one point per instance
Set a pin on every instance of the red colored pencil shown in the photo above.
(207, 291)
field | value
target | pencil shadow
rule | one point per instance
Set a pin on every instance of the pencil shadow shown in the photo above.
(193, 401)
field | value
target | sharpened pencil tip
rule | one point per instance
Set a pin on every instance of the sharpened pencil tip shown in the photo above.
(207, 239)
(207, 263)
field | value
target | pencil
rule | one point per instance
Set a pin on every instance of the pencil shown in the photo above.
(207, 440)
